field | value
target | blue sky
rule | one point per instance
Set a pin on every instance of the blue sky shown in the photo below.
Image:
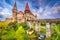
(44, 9)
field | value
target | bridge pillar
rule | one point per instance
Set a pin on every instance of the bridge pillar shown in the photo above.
(48, 30)
(29, 23)
(36, 26)
(37, 29)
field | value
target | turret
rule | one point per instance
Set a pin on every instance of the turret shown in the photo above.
(27, 9)
(15, 13)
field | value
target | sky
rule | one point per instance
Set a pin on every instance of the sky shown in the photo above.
(44, 9)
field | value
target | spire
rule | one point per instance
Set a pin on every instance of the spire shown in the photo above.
(15, 7)
(27, 7)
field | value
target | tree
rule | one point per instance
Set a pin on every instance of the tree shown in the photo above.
(13, 25)
(25, 26)
(9, 35)
(3, 27)
(21, 34)
(56, 29)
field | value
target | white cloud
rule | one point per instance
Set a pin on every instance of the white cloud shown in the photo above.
(5, 12)
(52, 11)
(40, 10)
(46, 12)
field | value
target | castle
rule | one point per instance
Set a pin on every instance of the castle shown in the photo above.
(21, 16)
(28, 15)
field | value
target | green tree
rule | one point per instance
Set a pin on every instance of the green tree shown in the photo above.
(9, 35)
(25, 26)
(13, 25)
(21, 34)
(56, 35)
(3, 27)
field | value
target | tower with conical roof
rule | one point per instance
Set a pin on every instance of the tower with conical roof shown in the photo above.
(14, 13)
(20, 16)
(27, 9)
(28, 14)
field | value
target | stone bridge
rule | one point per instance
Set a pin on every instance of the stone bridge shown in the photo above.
(48, 25)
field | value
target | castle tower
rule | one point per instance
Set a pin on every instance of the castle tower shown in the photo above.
(28, 14)
(15, 13)
(27, 9)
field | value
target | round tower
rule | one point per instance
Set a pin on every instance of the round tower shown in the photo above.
(15, 13)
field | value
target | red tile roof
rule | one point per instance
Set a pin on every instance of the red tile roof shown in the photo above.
(31, 13)
(35, 15)
(21, 12)
(27, 7)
